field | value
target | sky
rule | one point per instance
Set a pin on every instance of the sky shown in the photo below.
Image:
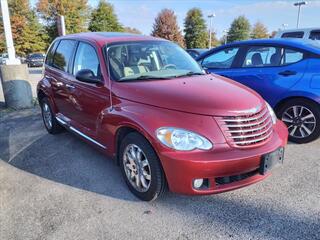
(141, 13)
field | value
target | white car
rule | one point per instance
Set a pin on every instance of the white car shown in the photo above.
(304, 33)
(3, 58)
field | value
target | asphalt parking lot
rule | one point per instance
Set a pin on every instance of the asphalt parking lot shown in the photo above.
(58, 187)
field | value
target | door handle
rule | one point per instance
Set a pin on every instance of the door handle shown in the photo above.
(70, 86)
(287, 73)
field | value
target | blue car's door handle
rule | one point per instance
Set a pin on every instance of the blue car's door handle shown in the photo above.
(287, 73)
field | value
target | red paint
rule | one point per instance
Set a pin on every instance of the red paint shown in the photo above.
(190, 103)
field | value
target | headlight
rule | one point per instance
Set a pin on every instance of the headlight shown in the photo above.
(183, 140)
(273, 115)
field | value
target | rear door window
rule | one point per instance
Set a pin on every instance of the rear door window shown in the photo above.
(262, 56)
(315, 35)
(63, 54)
(221, 59)
(271, 56)
(293, 35)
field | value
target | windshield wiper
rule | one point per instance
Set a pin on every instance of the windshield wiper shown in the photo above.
(142, 77)
(190, 74)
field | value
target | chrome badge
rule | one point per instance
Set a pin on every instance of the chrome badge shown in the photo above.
(249, 111)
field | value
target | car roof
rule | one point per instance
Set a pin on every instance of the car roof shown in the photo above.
(308, 45)
(102, 38)
(299, 29)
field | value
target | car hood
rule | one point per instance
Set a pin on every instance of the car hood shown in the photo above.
(205, 94)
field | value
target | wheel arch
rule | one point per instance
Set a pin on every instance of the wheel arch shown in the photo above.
(41, 94)
(44, 92)
(123, 131)
(284, 100)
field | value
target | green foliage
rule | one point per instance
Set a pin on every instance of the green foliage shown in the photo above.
(239, 29)
(35, 36)
(259, 30)
(273, 34)
(166, 26)
(75, 14)
(2, 39)
(27, 32)
(103, 19)
(195, 29)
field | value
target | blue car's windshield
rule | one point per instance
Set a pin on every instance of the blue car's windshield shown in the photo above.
(150, 60)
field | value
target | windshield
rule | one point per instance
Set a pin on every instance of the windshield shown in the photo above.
(150, 60)
(36, 55)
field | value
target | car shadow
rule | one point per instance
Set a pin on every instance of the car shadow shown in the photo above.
(65, 159)
(62, 158)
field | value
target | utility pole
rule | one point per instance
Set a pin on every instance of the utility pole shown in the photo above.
(284, 26)
(8, 34)
(210, 27)
(225, 36)
(61, 26)
(299, 4)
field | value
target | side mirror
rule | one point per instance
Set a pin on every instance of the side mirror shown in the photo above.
(86, 75)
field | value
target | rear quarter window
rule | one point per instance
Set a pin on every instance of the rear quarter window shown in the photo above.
(315, 35)
(50, 54)
(292, 35)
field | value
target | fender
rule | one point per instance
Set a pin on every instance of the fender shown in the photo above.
(146, 119)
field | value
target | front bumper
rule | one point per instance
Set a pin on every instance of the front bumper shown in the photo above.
(181, 168)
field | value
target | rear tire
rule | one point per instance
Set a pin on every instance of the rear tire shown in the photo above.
(48, 117)
(302, 118)
(138, 160)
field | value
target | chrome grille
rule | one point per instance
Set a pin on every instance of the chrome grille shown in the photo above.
(247, 130)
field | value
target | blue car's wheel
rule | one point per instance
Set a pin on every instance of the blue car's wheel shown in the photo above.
(302, 118)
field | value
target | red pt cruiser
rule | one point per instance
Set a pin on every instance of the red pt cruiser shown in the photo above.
(145, 102)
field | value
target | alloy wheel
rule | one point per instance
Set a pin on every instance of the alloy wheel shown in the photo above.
(137, 168)
(300, 120)
(47, 116)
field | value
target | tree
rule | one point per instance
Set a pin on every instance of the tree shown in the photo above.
(239, 29)
(195, 29)
(2, 39)
(166, 26)
(132, 30)
(259, 30)
(35, 36)
(18, 10)
(273, 34)
(26, 30)
(103, 19)
(75, 14)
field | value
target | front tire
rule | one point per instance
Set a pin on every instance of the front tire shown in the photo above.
(302, 118)
(141, 168)
(49, 120)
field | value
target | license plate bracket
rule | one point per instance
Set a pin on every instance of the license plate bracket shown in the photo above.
(271, 160)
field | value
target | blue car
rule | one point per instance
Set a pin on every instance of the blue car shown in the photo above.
(285, 72)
